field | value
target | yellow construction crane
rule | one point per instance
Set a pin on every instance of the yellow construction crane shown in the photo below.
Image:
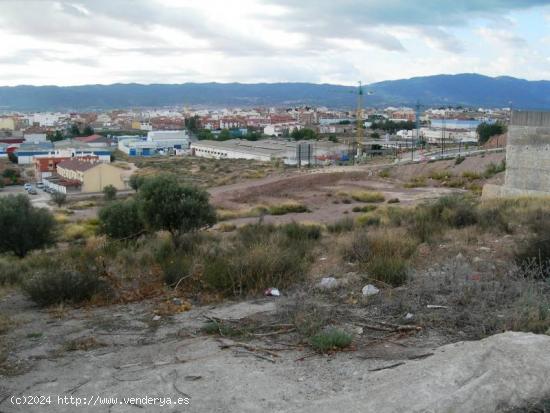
(359, 119)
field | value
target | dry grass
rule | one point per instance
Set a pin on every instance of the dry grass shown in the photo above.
(417, 182)
(368, 196)
(207, 172)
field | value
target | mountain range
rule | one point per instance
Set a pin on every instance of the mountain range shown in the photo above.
(440, 90)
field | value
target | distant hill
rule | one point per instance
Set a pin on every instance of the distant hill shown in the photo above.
(464, 89)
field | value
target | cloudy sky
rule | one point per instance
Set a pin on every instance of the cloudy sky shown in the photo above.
(322, 41)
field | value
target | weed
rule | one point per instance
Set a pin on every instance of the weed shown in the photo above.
(54, 285)
(227, 227)
(300, 232)
(441, 175)
(365, 208)
(384, 173)
(287, 208)
(342, 225)
(221, 328)
(417, 182)
(471, 175)
(83, 344)
(367, 220)
(393, 201)
(331, 340)
(459, 159)
(492, 169)
(366, 196)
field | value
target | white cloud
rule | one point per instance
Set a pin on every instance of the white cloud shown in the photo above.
(105, 41)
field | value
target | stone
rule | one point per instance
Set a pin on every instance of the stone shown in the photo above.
(327, 283)
(497, 374)
(370, 289)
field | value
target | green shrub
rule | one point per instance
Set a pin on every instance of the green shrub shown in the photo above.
(56, 285)
(366, 196)
(109, 192)
(297, 231)
(394, 201)
(441, 175)
(257, 257)
(176, 268)
(365, 208)
(391, 270)
(459, 159)
(416, 182)
(331, 340)
(287, 208)
(368, 220)
(11, 271)
(492, 169)
(430, 219)
(384, 173)
(345, 224)
(24, 227)
(384, 254)
(471, 175)
(59, 198)
(358, 249)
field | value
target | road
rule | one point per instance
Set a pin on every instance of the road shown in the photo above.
(39, 200)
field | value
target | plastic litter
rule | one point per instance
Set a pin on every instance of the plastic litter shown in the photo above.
(272, 292)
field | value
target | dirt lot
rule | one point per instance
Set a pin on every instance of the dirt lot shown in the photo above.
(327, 194)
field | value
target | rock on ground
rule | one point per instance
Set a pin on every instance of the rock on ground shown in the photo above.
(492, 375)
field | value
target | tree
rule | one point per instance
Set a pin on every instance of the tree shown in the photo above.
(24, 227)
(192, 123)
(165, 204)
(253, 136)
(224, 135)
(109, 192)
(303, 134)
(74, 131)
(205, 134)
(59, 198)
(121, 220)
(486, 131)
(55, 136)
(375, 135)
(88, 131)
(333, 138)
(136, 181)
(11, 174)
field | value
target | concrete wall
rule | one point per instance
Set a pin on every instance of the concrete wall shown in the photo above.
(528, 152)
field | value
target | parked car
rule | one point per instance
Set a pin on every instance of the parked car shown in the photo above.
(32, 191)
(40, 185)
(27, 187)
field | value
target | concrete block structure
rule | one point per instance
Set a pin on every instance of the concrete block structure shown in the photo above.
(527, 157)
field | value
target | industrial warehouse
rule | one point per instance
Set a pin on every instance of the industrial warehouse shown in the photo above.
(291, 153)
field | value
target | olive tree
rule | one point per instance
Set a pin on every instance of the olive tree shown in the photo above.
(24, 227)
(109, 192)
(121, 220)
(165, 204)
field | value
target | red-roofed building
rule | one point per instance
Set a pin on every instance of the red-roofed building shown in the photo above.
(46, 166)
(94, 140)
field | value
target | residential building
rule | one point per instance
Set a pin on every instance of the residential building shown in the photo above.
(45, 166)
(7, 122)
(89, 175)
